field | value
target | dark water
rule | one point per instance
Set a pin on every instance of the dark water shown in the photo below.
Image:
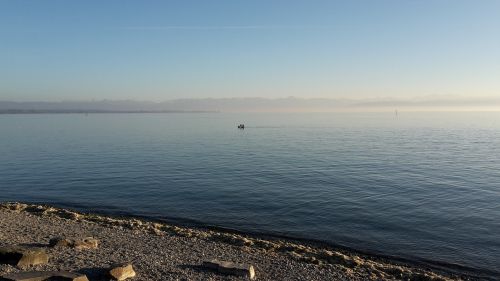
(424, 186)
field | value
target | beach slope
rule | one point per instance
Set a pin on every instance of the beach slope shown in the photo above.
(160, 251)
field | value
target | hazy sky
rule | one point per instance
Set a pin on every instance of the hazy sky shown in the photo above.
(160, 50)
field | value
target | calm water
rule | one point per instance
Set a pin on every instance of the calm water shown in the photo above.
(423, 186)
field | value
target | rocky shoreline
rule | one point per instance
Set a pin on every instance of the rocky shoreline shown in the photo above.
(160, 251)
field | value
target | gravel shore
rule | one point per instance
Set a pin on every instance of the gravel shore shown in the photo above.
(160, 251)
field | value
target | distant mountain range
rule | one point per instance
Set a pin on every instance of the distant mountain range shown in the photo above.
(250, 105)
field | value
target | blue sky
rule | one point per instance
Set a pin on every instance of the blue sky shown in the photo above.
(161, 50)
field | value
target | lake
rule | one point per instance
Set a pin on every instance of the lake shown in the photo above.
(421, 186)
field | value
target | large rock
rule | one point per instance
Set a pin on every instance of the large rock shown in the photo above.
(86, 243)
(61, 242)
(44, 275)
(23, 257)
(121, 271)
(79, 244)
(226, 267)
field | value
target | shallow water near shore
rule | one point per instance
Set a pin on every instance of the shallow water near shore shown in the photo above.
(423, 186)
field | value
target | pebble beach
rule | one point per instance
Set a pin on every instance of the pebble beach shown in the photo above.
(160, 251)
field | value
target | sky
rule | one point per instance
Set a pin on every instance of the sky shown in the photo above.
(162, 50)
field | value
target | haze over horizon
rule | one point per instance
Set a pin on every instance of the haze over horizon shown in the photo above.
(258, 104)
(410, 51)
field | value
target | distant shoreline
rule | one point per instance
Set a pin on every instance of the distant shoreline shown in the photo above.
(258, 104)
(70, 111)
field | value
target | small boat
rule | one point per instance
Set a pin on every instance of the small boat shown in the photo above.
(241, 126)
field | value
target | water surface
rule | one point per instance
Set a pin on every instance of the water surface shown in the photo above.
(424, 186)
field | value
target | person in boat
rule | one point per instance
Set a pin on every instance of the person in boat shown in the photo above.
(241, 126)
